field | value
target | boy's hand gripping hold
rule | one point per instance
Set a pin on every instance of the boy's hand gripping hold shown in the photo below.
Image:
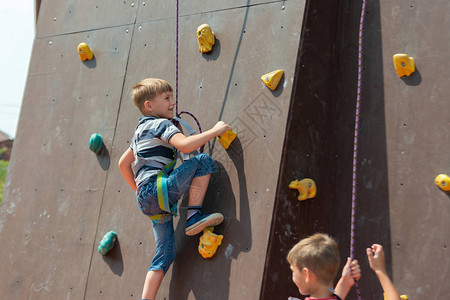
(187, 144)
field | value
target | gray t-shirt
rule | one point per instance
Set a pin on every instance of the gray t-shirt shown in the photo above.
(151, 147)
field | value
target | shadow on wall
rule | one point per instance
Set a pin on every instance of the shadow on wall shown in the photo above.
(210, 278)
(91, 64)
(114, 259)
(319, 145)
(372, 215)
(103, 158)
(214, 53)
(413, 80)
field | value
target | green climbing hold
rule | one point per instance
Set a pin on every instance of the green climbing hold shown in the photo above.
(95, 143)
(107, 242)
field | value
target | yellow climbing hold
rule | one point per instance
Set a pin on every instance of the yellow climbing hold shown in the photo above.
(402, 297)
(443, 181)
(209, 242)
(85, 52)
(227, 138)
(272, 79)
(205, 38)
(306, 188)
(404, 65)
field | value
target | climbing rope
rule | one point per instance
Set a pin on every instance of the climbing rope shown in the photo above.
(356, 137)
(176, 77)
(192, 115)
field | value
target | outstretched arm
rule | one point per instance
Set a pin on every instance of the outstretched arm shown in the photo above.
(187, 144)
(125, 167)
(350, 273)
(377, 263)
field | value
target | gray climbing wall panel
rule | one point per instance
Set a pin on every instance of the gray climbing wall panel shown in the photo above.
(55, 186)
(224, 84)
(71, 16)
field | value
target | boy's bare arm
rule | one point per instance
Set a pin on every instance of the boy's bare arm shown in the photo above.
(350, 273)
(187, 144)
(125, 167)
(377, 263)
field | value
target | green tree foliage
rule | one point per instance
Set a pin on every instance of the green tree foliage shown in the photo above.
(3, 170)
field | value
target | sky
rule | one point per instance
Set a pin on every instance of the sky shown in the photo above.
(17, 29)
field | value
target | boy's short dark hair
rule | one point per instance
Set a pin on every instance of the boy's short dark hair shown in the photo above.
(318, 253)
(148, 89)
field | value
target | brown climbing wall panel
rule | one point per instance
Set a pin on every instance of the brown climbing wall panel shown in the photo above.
(417, 136)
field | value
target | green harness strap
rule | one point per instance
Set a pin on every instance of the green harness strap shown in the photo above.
(161, 185)
(163, 196)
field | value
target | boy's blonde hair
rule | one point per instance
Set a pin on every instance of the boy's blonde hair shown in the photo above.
(148, 89)
(318, 253)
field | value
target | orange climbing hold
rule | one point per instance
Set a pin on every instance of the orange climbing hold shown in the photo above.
(272, 79)
(443, 181)
(404, 65)
(209, 242)
(306, 188)
(85, 52)
(227, 138)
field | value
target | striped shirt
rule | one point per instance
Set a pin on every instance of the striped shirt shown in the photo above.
(151, 147)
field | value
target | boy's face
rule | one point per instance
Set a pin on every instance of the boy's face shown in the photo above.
(162, 106)
(299, 278)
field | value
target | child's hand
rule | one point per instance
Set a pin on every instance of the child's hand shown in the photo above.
(351, 272)
(220, 128)
(376, 258)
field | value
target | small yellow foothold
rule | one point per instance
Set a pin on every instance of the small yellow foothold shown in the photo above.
(402, 297)
(205, 38)
(404, 65)
(443, 181)
(272, 79)
(306, 188)
(227, 138)
(209, 242)
(85, 52)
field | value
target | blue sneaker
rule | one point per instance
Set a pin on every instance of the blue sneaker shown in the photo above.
(200, 221)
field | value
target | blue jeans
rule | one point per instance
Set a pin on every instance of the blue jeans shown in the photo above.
(178, 183)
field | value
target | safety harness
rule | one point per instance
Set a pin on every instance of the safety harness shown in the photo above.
(163, 196)
(161, 179)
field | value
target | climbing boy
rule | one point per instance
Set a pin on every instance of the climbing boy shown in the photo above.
(315, 263)
(148, 167)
